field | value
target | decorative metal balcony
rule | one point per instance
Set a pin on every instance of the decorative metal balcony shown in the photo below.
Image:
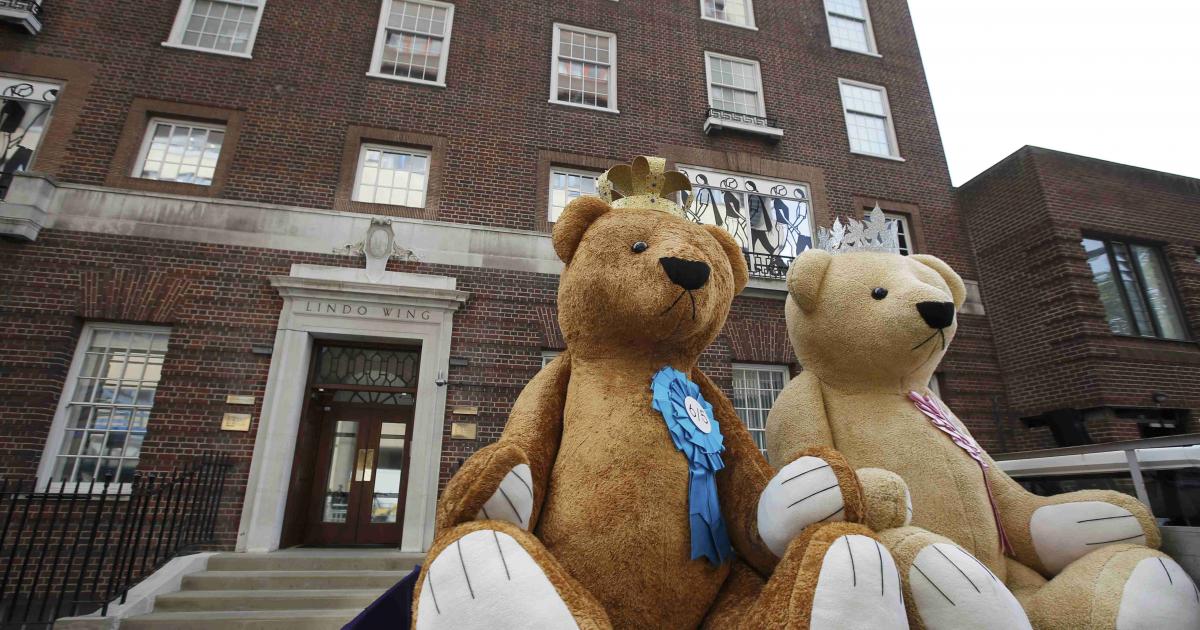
(768, 266)
(716, 119)
(26, 13)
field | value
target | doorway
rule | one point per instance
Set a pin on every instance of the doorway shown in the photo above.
(361, 405)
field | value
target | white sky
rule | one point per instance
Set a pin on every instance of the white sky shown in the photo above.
(1116, 80)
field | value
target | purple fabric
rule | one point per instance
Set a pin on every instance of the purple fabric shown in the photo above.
(393, 609)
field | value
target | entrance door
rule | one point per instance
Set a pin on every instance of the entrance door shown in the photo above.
(362, 475)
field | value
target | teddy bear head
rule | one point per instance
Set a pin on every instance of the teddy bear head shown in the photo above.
(871, 320)
(641, 280)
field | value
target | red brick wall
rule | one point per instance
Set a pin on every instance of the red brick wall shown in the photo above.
(1026, 218)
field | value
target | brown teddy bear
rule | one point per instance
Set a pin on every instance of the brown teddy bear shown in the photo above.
(624, 491)
(869, 329)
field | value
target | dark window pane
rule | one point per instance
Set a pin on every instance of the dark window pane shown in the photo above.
(1118, 315)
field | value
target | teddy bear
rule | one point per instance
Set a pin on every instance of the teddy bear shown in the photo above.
(869, 327)
(624, 491)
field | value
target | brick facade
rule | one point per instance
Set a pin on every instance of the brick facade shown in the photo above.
(1026, 217)
(300, 104)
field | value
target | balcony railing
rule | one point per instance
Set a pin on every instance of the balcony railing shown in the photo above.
(715, 119)
(767, 266)
(26, 13)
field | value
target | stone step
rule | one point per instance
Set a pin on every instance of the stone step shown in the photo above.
(290, 599)
(239, 620)
(332, 560)
(280, 580)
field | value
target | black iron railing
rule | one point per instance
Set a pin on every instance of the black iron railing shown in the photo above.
(767, 265)
(32, 6)
(73, 548)
(746, 119)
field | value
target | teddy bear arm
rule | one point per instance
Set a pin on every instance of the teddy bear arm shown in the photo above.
(797, 420)
(1048, 533)
(741, 482)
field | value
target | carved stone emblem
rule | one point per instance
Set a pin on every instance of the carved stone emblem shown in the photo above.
(378, 247)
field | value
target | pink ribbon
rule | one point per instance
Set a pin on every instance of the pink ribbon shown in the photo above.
(941, 418)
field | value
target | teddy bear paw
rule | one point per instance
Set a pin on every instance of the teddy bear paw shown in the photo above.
(858, 588)
(486, 579)
(952, 589)
(1065, 532)
(1159, 595)
(513, 499)
(804, 492)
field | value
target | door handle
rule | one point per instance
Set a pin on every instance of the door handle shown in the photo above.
(370, 466)
(358, 464)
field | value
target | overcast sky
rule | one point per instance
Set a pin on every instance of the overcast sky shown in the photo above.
(1116, 80)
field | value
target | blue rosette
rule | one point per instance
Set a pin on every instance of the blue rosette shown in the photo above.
(695, 432)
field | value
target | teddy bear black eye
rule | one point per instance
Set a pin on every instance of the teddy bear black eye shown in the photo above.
(640, 247)
(879, 293)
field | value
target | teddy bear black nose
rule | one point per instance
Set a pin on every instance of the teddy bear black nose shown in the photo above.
(689, 274)
(937, 314)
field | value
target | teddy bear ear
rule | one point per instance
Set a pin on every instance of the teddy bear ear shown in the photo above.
(733, 251)
(958, 290)
(805, 276)
(574, 221)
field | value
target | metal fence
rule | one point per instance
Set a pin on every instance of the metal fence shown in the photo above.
(71, 548)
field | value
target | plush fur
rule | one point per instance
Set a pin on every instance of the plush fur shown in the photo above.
(610, 490)
(862, 356)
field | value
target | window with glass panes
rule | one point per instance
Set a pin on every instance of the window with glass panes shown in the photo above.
(107, 402)
(549, 355)
(226, 26)
(868, 119)
(413, 42)
(739, 12)
(902, 231)
(755, 388)
(850, 25)
(178, 151)
(1135, 288)
(567, 184)
(734, 85)
(584, 68)
(390, 175)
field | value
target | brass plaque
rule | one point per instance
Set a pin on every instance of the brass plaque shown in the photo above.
(235, 399)
(465, 411)
(235, 422)
(462, 431)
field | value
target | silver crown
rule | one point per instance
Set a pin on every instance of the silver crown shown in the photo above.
(875, 233)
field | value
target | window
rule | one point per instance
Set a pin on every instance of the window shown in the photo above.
(736, 12)
(755, 388)
(394, 176)
(734, 85)
(868, 119)
(1134, 288)
(585, 68)
(24, 115)
(549, 355)
(850, 25)
(106, 404)
(413, 41)
(902, 230)
(221, 26)
(177, 151)
(567, 184)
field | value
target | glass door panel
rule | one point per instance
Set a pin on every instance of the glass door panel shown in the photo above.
(343, 458)
(389, 473)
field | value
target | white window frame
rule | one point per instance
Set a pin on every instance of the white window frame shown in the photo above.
(893, 143)
(905, 229)
(566, 170)
(362, 154)
(765, 367)
(872, 48)
(381, 39)
(612, 67)
(147, 137)
(175, 39)
(762, 101)
(749, 13)
(58, 429)
(549, 355)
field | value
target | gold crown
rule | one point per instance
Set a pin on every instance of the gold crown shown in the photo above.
(644, 183)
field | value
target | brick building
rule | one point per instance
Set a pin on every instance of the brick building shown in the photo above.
(1091, 275)
(192, 184)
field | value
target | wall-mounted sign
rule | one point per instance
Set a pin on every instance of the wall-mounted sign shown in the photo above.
(462, 431)
(235, 422)
(236, 399)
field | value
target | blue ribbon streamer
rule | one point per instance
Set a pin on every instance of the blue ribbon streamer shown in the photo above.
(671, 389)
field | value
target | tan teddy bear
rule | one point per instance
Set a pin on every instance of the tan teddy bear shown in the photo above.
(597, 508)
(869, 329)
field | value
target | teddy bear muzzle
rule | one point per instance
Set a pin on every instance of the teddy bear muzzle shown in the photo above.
(937, 315)
(688, 274)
